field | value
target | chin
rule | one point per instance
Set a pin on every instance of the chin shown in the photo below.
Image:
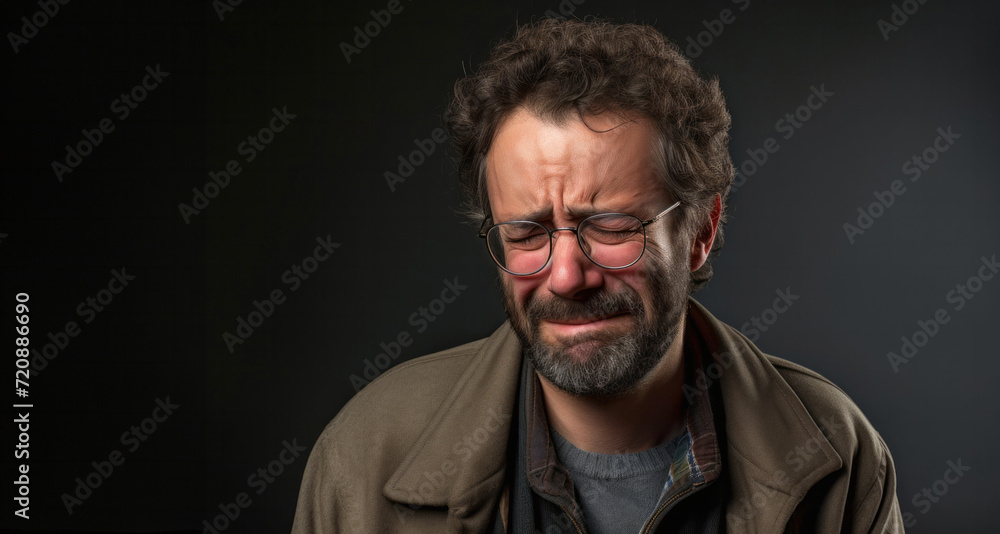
(582, 351)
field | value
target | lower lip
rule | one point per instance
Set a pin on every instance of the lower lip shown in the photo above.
(564, 329)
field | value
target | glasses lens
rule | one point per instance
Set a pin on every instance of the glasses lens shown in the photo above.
(520, 247)
(613, 240)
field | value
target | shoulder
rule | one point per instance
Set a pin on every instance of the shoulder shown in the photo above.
(867, 477)
(837, 415)
(361, 447)
(399, 402)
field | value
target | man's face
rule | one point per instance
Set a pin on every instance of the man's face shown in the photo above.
(588, 330)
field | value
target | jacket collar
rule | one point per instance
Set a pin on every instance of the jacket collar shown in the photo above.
(458, 461)
(776, 450)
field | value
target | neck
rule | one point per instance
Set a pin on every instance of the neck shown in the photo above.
(645, 417)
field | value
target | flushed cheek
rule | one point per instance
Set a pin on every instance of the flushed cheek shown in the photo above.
(522, 288)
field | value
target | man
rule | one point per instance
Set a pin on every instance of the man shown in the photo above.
(596, 164)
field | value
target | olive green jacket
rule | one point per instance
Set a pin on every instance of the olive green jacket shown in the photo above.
(422, 448)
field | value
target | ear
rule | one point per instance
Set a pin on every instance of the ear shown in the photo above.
(702, 244)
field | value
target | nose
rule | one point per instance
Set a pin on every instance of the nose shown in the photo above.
(571, 273)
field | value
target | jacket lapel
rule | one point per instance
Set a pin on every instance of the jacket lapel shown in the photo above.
(776, 450)
(458, 461)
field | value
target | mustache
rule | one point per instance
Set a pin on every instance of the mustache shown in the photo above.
(600, 304)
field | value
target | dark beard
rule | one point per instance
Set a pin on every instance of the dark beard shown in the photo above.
(618, 362)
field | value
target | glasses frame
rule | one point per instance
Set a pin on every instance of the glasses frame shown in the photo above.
(484, 232)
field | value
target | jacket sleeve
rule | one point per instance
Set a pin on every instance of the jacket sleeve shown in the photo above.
(879, 511)
(315, 512)
(329, 502)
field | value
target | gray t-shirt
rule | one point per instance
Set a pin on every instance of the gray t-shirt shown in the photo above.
(618, 492)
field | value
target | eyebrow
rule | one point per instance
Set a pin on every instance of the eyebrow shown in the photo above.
(574, 213)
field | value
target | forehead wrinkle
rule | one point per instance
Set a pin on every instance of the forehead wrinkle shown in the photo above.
(614, 200)
(536, 157)
(568, 170)
(614, 188)
(515, 196)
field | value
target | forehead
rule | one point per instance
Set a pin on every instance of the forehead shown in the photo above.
(572, 167)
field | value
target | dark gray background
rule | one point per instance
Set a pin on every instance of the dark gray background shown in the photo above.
(324, 175)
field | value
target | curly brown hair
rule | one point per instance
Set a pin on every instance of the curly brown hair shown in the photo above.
(555, 67)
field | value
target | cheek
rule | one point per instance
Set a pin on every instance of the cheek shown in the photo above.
(634, 276)
(523, 287)
(672, 252)
(520, 288)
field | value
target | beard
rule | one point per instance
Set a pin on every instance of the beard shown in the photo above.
(610, 362)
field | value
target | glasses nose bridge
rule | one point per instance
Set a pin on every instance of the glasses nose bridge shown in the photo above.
(573, 229)
(578, 240)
